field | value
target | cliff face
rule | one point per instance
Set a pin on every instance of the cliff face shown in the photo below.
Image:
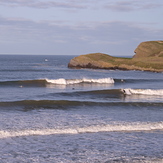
(148, 57)
(149, 49)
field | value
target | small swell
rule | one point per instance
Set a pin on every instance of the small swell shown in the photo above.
(24, 83)
(26, 105)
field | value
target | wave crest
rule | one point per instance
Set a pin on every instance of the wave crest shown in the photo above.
(143, 92)
(60, 81)
(63, 81)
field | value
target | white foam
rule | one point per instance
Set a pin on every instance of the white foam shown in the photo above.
(6, 134)
(91, 129)
(63, 81)
(143, 92)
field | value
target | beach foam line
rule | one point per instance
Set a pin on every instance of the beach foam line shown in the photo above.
(129, 91)
(131, 127)
(63, 81)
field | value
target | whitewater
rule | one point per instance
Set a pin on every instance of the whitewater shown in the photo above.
(77, 81)
(91, 129)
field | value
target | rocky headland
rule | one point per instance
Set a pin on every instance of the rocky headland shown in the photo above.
(148, 57)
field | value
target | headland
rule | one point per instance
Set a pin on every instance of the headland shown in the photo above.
(148, 57)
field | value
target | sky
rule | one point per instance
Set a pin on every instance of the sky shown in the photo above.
(75, 27)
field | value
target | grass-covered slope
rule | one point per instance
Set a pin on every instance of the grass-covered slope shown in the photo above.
(149, 49)
(148, 57)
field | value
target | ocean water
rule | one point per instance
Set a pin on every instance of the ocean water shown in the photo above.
(49, 113)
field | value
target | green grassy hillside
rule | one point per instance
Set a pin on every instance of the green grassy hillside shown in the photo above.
(148, 57)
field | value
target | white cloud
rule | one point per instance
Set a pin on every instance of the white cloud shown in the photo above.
(116, 5)
(42, 4)
(115, 38)
(126, 6)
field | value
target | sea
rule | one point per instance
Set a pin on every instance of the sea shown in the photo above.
(52, 114)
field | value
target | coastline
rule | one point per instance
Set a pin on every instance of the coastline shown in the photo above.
(148, 57)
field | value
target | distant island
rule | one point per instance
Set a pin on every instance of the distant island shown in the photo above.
(148, 57)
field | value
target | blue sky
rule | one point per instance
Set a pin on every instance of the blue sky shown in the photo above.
(75, 27)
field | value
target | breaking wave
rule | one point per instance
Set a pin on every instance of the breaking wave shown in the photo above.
(63, 81)
(127, 127)
(60, 81)
(143, 92)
